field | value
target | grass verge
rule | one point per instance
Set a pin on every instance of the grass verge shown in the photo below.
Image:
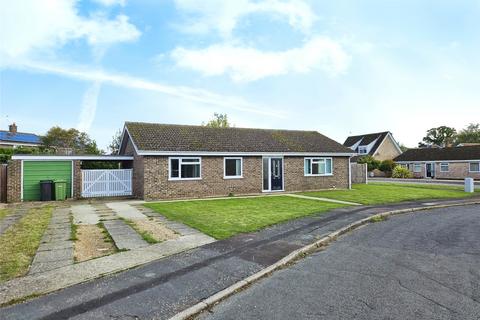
(224, 218)
(379, 193)
(3, 213)
(20, 242)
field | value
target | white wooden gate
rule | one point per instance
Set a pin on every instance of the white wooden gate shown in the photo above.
(106, 183)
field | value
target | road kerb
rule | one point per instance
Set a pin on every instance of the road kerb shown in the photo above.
(221, 295)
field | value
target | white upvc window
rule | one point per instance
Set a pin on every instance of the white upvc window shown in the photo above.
(444, 167)
(417, 167)
(232, 167)
(318, 166)
(362, 150)
(474, 166)
(184, 168)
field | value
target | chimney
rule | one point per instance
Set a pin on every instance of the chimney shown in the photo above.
(12, 128)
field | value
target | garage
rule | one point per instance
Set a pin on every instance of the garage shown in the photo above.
(35, 171)
(82, 176)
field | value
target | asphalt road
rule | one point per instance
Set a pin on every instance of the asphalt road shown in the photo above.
(424, 265)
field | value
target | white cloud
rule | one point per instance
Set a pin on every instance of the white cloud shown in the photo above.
(187, 93)
(224, 15)
(249, 64)
(32, 25)
(89, 107)
(108, 3)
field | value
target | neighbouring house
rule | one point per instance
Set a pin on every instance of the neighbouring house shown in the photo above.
(442, 163)
(381, 146)
(182, 161)
(12, 138)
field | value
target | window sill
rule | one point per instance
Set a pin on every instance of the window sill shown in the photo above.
(183, 179)
(319, 175)
(232, 177)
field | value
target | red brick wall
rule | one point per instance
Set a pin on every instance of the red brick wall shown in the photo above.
(14, 181)
(157, 185)
(295, 180)
(138, 170)
(77, 179)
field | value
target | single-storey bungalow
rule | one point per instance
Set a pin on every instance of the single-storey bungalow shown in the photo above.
(182, 161)
(442, 163)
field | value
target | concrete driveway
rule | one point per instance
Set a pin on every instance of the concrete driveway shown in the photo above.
(415, 266)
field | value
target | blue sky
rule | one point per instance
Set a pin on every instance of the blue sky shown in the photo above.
(338, 67)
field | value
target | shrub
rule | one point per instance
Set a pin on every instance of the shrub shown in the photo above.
(372, 164)
(387, 166)
(401, 172)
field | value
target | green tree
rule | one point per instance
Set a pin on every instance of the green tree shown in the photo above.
(372, 164)
(442, 136)
(403, 147)
(219, 121)
(114, 146)
(73, 139)
(471, 134)
(387, 165)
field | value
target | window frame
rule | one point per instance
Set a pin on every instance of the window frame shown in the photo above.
(311, 165)
(363, 148)
(470, 166)
(415, 165)
(444, 164)
(225, 168)
(180, 163)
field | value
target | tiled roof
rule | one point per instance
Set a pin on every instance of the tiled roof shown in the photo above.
(367, 139)
(168, 137)
(440, 154)
(19, 137)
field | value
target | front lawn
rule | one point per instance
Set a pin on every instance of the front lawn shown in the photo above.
(20, 242)
(378, 193)
(224, 218)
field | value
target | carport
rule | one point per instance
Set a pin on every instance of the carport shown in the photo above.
(85, 176)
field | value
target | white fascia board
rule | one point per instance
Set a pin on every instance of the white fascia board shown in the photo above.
(57, 158)
(209, 153)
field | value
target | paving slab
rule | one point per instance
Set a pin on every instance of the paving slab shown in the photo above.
(54, 255)
(177, 227)
(85, 215)
(56, 248)
(124, 236)
(125, 210)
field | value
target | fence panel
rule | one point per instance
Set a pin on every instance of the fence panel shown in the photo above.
(106, 183)
(359, 173)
